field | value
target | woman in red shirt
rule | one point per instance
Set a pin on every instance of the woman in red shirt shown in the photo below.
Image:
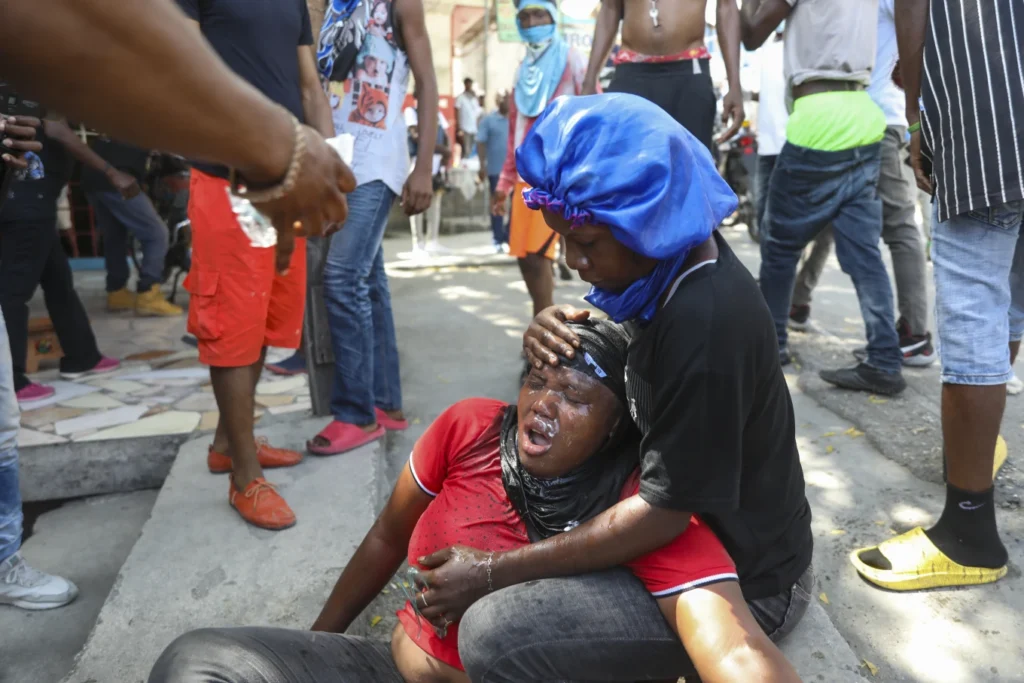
(496, 476)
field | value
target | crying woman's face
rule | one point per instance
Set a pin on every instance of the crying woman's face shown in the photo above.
(565, 417)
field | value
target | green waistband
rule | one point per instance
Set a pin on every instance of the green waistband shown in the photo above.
(834, 121)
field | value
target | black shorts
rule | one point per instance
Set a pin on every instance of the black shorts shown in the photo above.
(682, 88)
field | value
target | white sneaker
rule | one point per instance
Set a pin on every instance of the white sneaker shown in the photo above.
(1014, 386)
(437, 248)
(28, 588)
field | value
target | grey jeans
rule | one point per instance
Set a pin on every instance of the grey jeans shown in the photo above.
(900, 233)
(594, 627)
(118, 217)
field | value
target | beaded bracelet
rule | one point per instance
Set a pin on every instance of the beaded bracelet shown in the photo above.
(291, 176)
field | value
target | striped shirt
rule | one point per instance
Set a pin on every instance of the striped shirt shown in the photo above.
(973, 94)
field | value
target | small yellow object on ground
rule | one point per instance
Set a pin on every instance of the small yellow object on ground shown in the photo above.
(374, 621)
(918, 565)
(853, 432)
(871, 667)
(830, 449)
(1001, 453)
(823, 598)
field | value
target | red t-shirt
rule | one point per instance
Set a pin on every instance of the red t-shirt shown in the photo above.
(458, 463)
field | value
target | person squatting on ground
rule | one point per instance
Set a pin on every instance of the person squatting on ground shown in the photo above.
(240, 303)
(831, 164)
(899, 228)
(366, 397)
(638, 199)
(122, 209)
(968, 128)
(663, 58)
(21, 585)
(31, 256)
(492, 147)
(499, 476)
(552, 68)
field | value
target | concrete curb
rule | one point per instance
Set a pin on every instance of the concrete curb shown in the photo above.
(93, 468)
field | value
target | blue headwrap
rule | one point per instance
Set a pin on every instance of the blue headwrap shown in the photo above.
(620, 161)
(547, 54)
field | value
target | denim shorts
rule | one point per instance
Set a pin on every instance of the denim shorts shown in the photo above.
(979, 292)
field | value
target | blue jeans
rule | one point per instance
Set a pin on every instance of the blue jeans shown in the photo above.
(116, 217)
(359, 311)
(10, 494)
(762, 178)
(808, 190)
(979, 292)
(499, 224)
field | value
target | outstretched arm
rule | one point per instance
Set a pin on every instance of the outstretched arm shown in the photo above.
(122, 182)
(378, 557)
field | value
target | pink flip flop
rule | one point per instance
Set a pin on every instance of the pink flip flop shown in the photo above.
(389, 423)
(343, 437)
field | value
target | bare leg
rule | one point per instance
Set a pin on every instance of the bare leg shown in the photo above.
(235, 389)
(540, 282)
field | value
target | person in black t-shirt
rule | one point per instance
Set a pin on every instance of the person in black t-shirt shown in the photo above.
(31, 255)
(638, 200)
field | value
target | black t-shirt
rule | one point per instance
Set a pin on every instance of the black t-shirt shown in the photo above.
(707, 391)
(122, 156)
(34, 199)
(259, 40)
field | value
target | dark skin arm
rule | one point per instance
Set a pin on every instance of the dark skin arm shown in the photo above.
(606, 29)
(122, 182)
(314, 100)
(18, 135)
(724, 641)
(759, 19)
(627, 530)
(728, 22)
(378, 557)
(419, 188)
(183, 98)
(911, 23)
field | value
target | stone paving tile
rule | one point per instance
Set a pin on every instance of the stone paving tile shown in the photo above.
(96, 401)
(270, 400)
(47, 416)
(31, 437)
(170, 422)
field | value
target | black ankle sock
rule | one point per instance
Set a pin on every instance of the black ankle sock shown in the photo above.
(966, 531)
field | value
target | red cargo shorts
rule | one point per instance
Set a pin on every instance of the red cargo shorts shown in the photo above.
(239, 303)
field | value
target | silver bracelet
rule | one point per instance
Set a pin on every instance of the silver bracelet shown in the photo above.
(490, 585)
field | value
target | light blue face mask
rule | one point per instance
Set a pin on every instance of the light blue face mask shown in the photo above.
(535, 35)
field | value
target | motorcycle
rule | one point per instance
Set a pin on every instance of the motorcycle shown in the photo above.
(737, 162)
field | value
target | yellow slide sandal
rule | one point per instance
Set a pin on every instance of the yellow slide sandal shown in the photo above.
(1001, 453)
(917, 565)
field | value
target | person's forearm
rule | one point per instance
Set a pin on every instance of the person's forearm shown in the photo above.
(74, 145)
(618, 535)
(481, 152)
(754, 660)
(911, 23)
(374, 563)
(182, 97)
(426, 95)
(605, 30)
(317, 110)
(728, 21)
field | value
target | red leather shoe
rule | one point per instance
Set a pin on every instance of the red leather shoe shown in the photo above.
(268, 456)
(261, 505)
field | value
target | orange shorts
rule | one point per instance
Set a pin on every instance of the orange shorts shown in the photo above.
(239, 303)
(528, 233)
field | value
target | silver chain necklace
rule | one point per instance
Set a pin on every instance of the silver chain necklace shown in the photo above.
(654, 13)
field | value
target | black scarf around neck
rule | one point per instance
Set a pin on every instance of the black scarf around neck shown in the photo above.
(552, 506)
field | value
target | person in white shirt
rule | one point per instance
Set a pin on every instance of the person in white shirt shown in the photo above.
(771, 119)
(426, 226)
(899, 227)
(467, 110)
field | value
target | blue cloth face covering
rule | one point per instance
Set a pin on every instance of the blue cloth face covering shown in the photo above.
(547, 54)
(619, 161)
